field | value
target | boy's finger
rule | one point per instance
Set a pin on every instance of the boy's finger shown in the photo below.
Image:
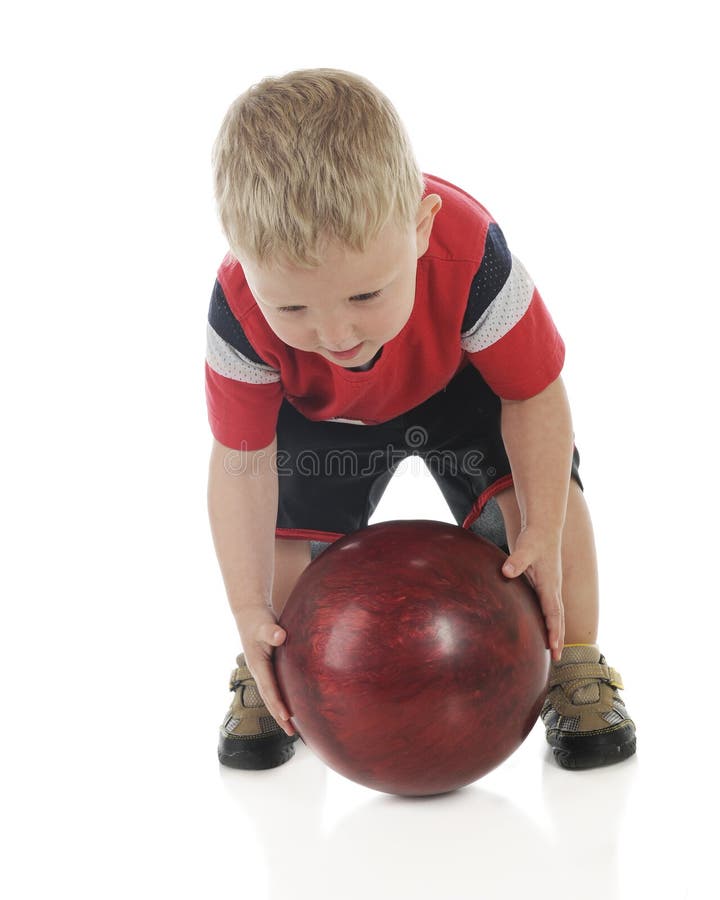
(272, 634)
(554, 621)
(553, 640)
(271, 698)
(556, 649)
(514, 566)
(277, 709)
(553, 633)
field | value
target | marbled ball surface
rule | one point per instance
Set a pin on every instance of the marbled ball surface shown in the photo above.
(412, 665)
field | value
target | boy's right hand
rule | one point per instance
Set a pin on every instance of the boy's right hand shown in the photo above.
(260, 634)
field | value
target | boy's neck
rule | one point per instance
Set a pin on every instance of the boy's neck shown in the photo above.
(368, 365)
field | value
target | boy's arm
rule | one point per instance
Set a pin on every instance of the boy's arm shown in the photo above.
(538, 438)
(242, 505)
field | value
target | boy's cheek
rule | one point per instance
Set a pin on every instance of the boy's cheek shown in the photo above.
(293, 340)
(286, 335)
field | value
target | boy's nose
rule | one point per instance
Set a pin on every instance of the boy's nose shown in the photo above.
(338, 338)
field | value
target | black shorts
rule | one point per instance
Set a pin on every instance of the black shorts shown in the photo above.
(331, 475)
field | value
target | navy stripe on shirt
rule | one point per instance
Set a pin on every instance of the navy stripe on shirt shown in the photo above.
(223, 322)
(490, 278)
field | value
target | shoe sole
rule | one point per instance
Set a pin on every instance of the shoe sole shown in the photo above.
(256, 753)
(574, 753)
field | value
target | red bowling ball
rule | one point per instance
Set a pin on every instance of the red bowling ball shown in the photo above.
(412, 665)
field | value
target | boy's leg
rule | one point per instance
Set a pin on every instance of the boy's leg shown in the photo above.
(249, 736)
(291, 559)
(579, 563)
(586, 721)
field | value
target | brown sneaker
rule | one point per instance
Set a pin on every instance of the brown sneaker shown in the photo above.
(249, 737)
(586, 722)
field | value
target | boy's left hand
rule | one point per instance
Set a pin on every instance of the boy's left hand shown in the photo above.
(537, 554)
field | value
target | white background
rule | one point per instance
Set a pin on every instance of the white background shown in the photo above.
(590, 132)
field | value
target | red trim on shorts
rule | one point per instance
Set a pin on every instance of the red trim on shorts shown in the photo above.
(495, 488)
(302, 534)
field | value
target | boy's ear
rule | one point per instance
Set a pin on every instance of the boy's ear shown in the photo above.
(428, 209)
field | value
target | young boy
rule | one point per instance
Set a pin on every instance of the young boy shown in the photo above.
(367, 312)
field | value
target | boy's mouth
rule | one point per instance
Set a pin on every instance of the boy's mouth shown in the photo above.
(347, 354)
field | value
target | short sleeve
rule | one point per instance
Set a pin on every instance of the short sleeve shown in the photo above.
(243, 393)
(508, 333)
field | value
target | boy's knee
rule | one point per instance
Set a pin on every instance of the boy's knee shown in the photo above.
(291, 560)
(508, 504)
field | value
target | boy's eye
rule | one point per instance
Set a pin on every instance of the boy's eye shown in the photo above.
(366, 296)
(360, 297)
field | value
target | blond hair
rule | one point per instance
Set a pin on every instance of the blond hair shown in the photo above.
(312, 157)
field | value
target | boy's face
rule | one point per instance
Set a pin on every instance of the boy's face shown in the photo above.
(352, 304)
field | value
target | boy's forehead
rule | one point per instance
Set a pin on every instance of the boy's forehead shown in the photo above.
(343, 272)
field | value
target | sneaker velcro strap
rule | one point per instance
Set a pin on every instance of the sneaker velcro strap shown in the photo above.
(584, 672)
